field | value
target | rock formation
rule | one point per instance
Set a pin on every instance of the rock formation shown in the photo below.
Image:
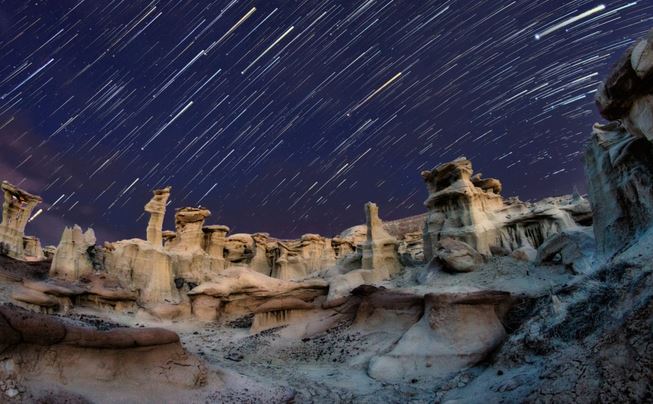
(16, 211)
(188, 229)
(470, 209)
(32, 248)
(456, 331)
(619, 158)
(214, 242)
(380, 248)
(156, 207)
(72, 259)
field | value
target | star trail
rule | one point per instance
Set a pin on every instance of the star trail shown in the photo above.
(287, 116)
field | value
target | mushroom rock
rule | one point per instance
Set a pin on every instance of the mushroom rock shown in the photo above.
(470, 209)
(156, 207)
(16, 211)
(260, 262)
(455, 332)
(380, 248)
(41, 350)
(72, 259)
(188, 226)
(619, 157)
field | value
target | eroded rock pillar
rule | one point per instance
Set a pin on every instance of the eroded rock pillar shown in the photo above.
(380, 248)
(156, 207)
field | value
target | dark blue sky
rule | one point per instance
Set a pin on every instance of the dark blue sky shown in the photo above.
(277, 119)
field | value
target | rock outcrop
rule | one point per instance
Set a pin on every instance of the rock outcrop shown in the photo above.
(214, 243)
(188, 230)
(16, 211)
(73, 257)
(619, 158)
(456, 331)
(470, 209)
(457, 256)
(156, 207)
(380, 250)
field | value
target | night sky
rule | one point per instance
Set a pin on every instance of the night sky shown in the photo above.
(287, 116)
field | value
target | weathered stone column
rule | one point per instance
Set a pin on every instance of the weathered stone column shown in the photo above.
(214, 241)
(156, 207)
(16, 211)
(380, 248)
(188, 226)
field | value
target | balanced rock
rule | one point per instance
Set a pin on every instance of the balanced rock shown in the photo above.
(156, 207)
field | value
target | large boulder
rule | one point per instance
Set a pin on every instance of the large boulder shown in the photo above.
(571, 248)
(457, 256)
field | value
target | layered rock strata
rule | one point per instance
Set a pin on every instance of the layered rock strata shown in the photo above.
(619, 158)
(17, 209)
(469, 208)
(156, 207)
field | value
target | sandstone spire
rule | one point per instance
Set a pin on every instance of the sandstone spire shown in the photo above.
(380, 248)
(156, 207)
(188, 226)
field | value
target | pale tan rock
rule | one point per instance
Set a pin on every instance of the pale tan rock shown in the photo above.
(206, 308)
(214, 242)
(188, 226)
(156, 207)
(16, 211)
(72, 260)
(146, 267)
(168, 237)
(35, 297)
(32, 249)
(380, 248)
(317, 252)
(260, 261)
(239, 249)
